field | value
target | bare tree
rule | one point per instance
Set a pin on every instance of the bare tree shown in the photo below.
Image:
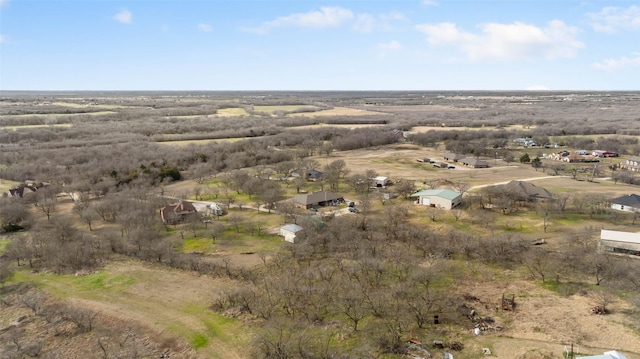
(34, 300)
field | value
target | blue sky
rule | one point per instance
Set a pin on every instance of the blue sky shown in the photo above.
(319, 45)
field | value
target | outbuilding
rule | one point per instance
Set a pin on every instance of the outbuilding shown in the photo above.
(620, 242)
(439, 198)
(290, 231)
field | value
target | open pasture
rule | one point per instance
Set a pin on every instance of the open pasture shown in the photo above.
(14, 128)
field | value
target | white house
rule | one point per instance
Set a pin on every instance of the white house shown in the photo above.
(289, 232)
(440, 198)
(628, 203)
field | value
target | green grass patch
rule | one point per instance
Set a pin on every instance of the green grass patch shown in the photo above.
(3, 245)
(199, 244)
(217, 327)
(67, 284)
(198, 341)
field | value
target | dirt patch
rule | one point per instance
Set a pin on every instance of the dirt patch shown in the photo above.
(545, 321)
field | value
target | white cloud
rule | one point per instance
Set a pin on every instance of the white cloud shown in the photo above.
(205, 27)
(390, 46)
(325, 17)
(611, 65)
(124, 16)
(516, 41)
(429, 3)
(364, 23)
(537, 88)
(612, 19)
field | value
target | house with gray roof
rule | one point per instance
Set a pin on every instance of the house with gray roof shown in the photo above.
(525, 190)
(317, 199)
(628, 203)
(474, 162)
(450, 156)
(439, 198)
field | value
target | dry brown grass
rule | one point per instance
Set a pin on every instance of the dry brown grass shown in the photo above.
(337, 111)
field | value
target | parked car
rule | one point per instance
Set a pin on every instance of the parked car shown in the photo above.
(353, 210)
(451, 167)
(352, 204)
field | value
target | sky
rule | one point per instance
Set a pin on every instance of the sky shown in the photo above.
(300, 45)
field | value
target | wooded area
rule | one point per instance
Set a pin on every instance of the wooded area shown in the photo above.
(381, 278)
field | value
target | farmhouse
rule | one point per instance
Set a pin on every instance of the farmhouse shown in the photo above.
(474, 162)
(628, 203)
(289, 232)
(620, 242)
(525, 191)
(632, 164)
(178, 212)
(439, 198)
(317, 199)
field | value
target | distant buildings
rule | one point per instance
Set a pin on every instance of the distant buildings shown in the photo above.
(632, 164)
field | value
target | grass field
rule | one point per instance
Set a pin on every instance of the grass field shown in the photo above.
(346, 126)
(105, 106)
(203, 142)
(6, 184)
(96, 113)
(418, 129)
(158, 298)
(338, 111)
(14, 128)
(285, 108)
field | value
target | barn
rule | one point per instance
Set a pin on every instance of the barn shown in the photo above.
(620, 242)
(440, 198)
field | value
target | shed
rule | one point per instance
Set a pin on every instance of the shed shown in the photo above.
(309, 174)
(381, 181)
(289, 232)
(440, 198)
(620, 242)
(612, 354)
